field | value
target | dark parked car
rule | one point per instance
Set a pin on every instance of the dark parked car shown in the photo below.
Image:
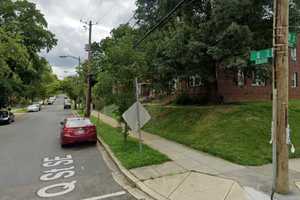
(6, 116)
(67, 104)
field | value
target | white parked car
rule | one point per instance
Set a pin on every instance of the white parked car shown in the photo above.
(33, 108)
(51, 100)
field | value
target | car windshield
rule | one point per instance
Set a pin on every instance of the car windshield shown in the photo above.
(3, 114)
(78, 122)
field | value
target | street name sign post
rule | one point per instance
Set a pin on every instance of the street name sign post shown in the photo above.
(262, 56)
(292, 39)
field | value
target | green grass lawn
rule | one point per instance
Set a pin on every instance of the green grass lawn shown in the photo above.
(128, 153)
(110, 111)
(19, 110)
(80, 112)
(238, 133)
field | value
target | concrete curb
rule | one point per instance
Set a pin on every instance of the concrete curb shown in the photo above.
(18, 115)
(129, 176)
(126, 173)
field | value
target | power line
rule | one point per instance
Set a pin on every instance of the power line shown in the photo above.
(131, 18)
(161, 22)
(107, 12)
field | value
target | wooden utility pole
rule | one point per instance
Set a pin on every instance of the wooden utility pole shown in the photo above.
(280, 94)
(88, 78)
(89, 88)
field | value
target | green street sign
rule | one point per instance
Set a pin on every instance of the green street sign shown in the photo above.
(261, 61)
(262, 54)
(292, 39)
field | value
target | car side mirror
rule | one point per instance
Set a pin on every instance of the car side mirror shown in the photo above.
(62, 123)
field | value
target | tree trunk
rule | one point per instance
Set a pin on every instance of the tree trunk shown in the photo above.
(213, 89)
(125, 133)
(75, 106)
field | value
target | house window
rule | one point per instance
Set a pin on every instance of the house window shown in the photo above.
(195, 81)
(240, 78)
(257, 80)
(294, 54)
(175, 83)
(295, 80)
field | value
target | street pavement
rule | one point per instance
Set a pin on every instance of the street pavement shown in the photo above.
(34, 166)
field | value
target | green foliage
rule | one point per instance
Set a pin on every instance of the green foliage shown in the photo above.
(72, 86)
(206, 35)
(23, 34)
(128, 153)
(185, 99)
(119, 65)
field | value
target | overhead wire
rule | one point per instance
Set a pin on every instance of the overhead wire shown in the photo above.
(161, 22)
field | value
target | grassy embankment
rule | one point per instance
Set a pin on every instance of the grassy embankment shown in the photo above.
(238, 133)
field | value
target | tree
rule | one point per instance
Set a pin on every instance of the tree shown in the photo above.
(72, 86)
(23, 34)
(119, 63)
(206, 35)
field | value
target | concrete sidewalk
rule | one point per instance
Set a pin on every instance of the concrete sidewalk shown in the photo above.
(194, 175)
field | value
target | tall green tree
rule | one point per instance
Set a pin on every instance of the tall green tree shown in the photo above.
(119, 64)
(206, 35)
(23, 35)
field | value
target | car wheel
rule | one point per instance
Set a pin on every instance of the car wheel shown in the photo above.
(63, 145)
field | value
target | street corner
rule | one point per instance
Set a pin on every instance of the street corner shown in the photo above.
(298, 185)
(196, 186)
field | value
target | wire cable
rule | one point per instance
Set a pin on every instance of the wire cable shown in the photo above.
(161, 22)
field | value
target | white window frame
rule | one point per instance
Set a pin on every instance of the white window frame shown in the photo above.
(193, 81)
(295, 80)
(240, 78)
(294, 54)
(257, 81)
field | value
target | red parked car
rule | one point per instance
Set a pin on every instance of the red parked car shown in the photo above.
(76, 130)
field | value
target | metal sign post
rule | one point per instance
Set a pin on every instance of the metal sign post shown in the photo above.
(138, 114)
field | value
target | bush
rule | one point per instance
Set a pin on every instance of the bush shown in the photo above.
(183, 99)
(186, 99)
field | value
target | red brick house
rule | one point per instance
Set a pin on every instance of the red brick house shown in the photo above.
(237, 87)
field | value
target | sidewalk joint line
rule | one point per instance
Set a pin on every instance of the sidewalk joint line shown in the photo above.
(227, 194)
(179, 184)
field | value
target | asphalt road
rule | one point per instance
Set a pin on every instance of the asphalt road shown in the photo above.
(34, 166)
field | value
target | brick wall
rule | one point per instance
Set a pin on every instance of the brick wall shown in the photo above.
(231, 92)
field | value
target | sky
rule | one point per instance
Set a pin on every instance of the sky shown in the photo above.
(63, 17)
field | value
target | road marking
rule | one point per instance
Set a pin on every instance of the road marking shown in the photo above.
(67, 187)
(107, 196)
(57, 173)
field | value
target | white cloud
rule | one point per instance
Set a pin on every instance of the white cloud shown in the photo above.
(63, 17)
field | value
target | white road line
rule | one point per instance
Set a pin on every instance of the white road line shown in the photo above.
(107, 196)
